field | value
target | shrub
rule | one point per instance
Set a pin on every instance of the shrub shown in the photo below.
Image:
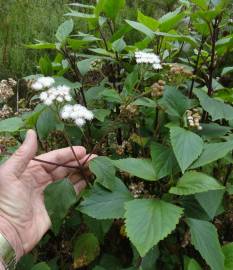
(160, 195)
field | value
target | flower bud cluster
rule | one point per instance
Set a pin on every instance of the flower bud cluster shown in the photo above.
(129, 111)
(194, 117)
(8, 141)
(6, 111)
(137, 189)
(77, 113)
(158, 89)
(6, 89)
(176, 69)
(125, 147)
(96, 65)
(148, 58)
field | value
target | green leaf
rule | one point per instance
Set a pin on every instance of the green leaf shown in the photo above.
(104, 170)
(11, 124)
(191, 264)
(228, 253)
(170, 20)
(195, 182)
(86, 249)
(217, 109)
(46, 67)
(110, 95)
(213, 130)
(141, 28)
(101, 114)
(149, 221)
(59, 197)
(110, 7)
(119, 45)
(210, 201)
(174, 102)
(146, 102)
(205, 239)
(41, 46)
(81, 15)
(41, 266)
(64, 30)
(163, 160)
(51, 120)
(203, 4)
(213, 152)
(186, 145)
(141, 168)
(148, 21)
(226, 70)
(130, 82)
(101, 203)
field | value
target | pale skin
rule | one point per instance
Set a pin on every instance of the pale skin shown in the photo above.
(23, 216)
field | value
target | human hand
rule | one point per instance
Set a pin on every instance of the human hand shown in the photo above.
(23, 216)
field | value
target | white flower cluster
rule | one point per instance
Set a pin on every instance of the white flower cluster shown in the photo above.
(148, 58)
(60, 93)
(43, 82)
(78, 113)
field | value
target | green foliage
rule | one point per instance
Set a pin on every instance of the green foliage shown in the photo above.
(153, 126)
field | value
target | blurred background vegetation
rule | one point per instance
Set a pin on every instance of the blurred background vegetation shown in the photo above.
(23, 21)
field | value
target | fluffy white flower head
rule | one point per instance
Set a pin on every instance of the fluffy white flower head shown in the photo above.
(46, 81)
(148, 58)
(37, 86)
(78, 113)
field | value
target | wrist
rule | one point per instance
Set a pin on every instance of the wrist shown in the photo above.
(11, 235)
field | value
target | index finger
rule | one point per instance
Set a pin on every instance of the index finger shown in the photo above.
(61, 157)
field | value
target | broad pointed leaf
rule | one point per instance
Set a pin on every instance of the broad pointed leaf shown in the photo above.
(186, 145)
(205, 239)
(141, 28)
(217, 109)
(150, 221)
(228, 253)
(141, 168)
(195, 182)
(213, 152)
(101, 203)
(64, 30)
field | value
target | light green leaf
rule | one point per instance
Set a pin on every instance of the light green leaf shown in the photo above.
(41, 266)
(205, 239)
(80, 15)
(191, 264)
(64, 30)
(195, 182)
(104, 170)
(59, 197)
(217, 109)
(110, 95)
(11, 124)
(203, 4)
(119, 45)
(101, 203)
(163, 160)
(101, 114)
(186, 145)
(130, 82)
(41, 46)
(146, 102)
(228, 253)
(141, 168)
(86, 249)
(148, 21)
(226, 70)
(141, 28)
(170, 20)
(210, 201)
(213, 152)
(174, 102)
(110, 7)
(150, 221)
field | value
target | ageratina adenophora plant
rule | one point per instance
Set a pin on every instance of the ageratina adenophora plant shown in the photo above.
(152, 97)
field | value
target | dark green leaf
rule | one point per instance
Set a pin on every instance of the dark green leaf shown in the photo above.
(195, 182)
(11, 124)
(205, 239)
(118, 45)
(141, 168)
(186, 145)
(213, 152)
(217, 109)
(86, 249)
(101, 203)
(41, 266)
(150, 221)
(59, 197)
(104, 170)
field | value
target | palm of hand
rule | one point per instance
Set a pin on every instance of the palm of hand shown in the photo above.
(22, 183)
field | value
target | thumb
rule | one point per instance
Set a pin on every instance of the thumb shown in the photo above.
(18, 162)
